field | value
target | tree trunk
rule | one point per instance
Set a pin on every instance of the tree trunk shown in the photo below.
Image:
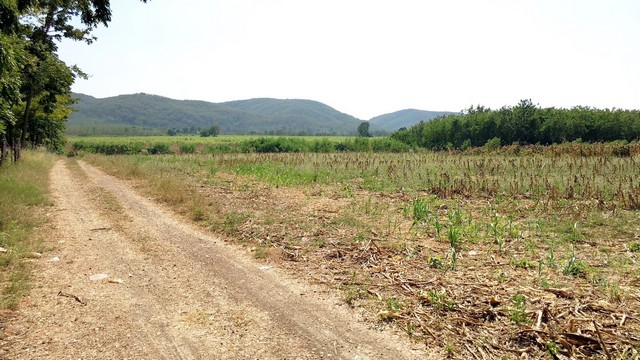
(12, 142)
(25, 120)
(4, 150)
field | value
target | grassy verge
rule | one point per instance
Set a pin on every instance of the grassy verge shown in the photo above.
(23, 193)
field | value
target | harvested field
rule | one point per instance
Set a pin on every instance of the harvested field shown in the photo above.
(473, 256)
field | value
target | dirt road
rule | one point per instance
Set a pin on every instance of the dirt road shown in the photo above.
(127, 279)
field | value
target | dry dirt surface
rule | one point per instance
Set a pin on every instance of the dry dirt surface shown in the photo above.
(127, 279)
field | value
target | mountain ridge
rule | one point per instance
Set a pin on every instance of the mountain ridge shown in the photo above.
(404, 118)
(250, 116)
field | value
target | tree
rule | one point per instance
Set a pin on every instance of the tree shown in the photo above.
(363, 129)
(33, 80)
(213, 130)
(524, 123)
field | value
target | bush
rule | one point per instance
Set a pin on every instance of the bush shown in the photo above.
(621, 150)
(274, 145)
(493, 144)
(159, 148)
(219, 149)
(389, 145)
(323, 146)
(187, 148)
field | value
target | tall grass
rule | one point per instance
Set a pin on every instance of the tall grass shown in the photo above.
(23, 191)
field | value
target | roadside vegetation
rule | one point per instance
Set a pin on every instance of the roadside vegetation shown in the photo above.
(482, 253)
(35, 84)
(23, 202)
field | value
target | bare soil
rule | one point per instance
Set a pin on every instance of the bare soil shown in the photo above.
(127, 279)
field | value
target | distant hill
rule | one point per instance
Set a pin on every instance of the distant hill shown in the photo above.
(403, 118)
(298, 115)
(260, 116)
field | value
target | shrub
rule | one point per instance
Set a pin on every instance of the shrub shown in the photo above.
(323, 146)
(274, 145)
(187, 148)
(159, 148)
(493, 144)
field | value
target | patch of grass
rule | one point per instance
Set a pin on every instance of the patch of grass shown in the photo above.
(552, 349)
(449, 350)
(261, 252)
(393, 304)
(418, 210)
(23, 193)
(354, 293)
(524, 264)
(437, 299)
(574, 267)
(615, 292)
(232, 220)
(198, 213)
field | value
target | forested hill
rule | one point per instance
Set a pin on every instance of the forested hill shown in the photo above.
(403, 119)
(259, 116)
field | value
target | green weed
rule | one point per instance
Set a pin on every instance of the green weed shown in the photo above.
(574, 267)
(517, 313)
(435, 262)
(437, 299)
(524, 264)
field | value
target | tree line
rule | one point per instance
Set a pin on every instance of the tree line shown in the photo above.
(525, 123)
(35, 85)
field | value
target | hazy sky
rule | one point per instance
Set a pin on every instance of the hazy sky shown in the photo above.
(369, 57)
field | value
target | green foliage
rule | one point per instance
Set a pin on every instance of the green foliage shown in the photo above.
(493, 143)
(35, 85)
(517, 313)
(435, 262)
(107, 148)
(524, 264)
(159, 149)
(263, 144)
(403, 118)
(438, 299)
(213, 130)
(187, 148)
(91, 130)
(418, 210)
(552, 349)
(574, 267)
(274, 145)
(524, 123)
(393, 304)
(363, 129)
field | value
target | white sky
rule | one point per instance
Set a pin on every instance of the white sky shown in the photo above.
(370, 57)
